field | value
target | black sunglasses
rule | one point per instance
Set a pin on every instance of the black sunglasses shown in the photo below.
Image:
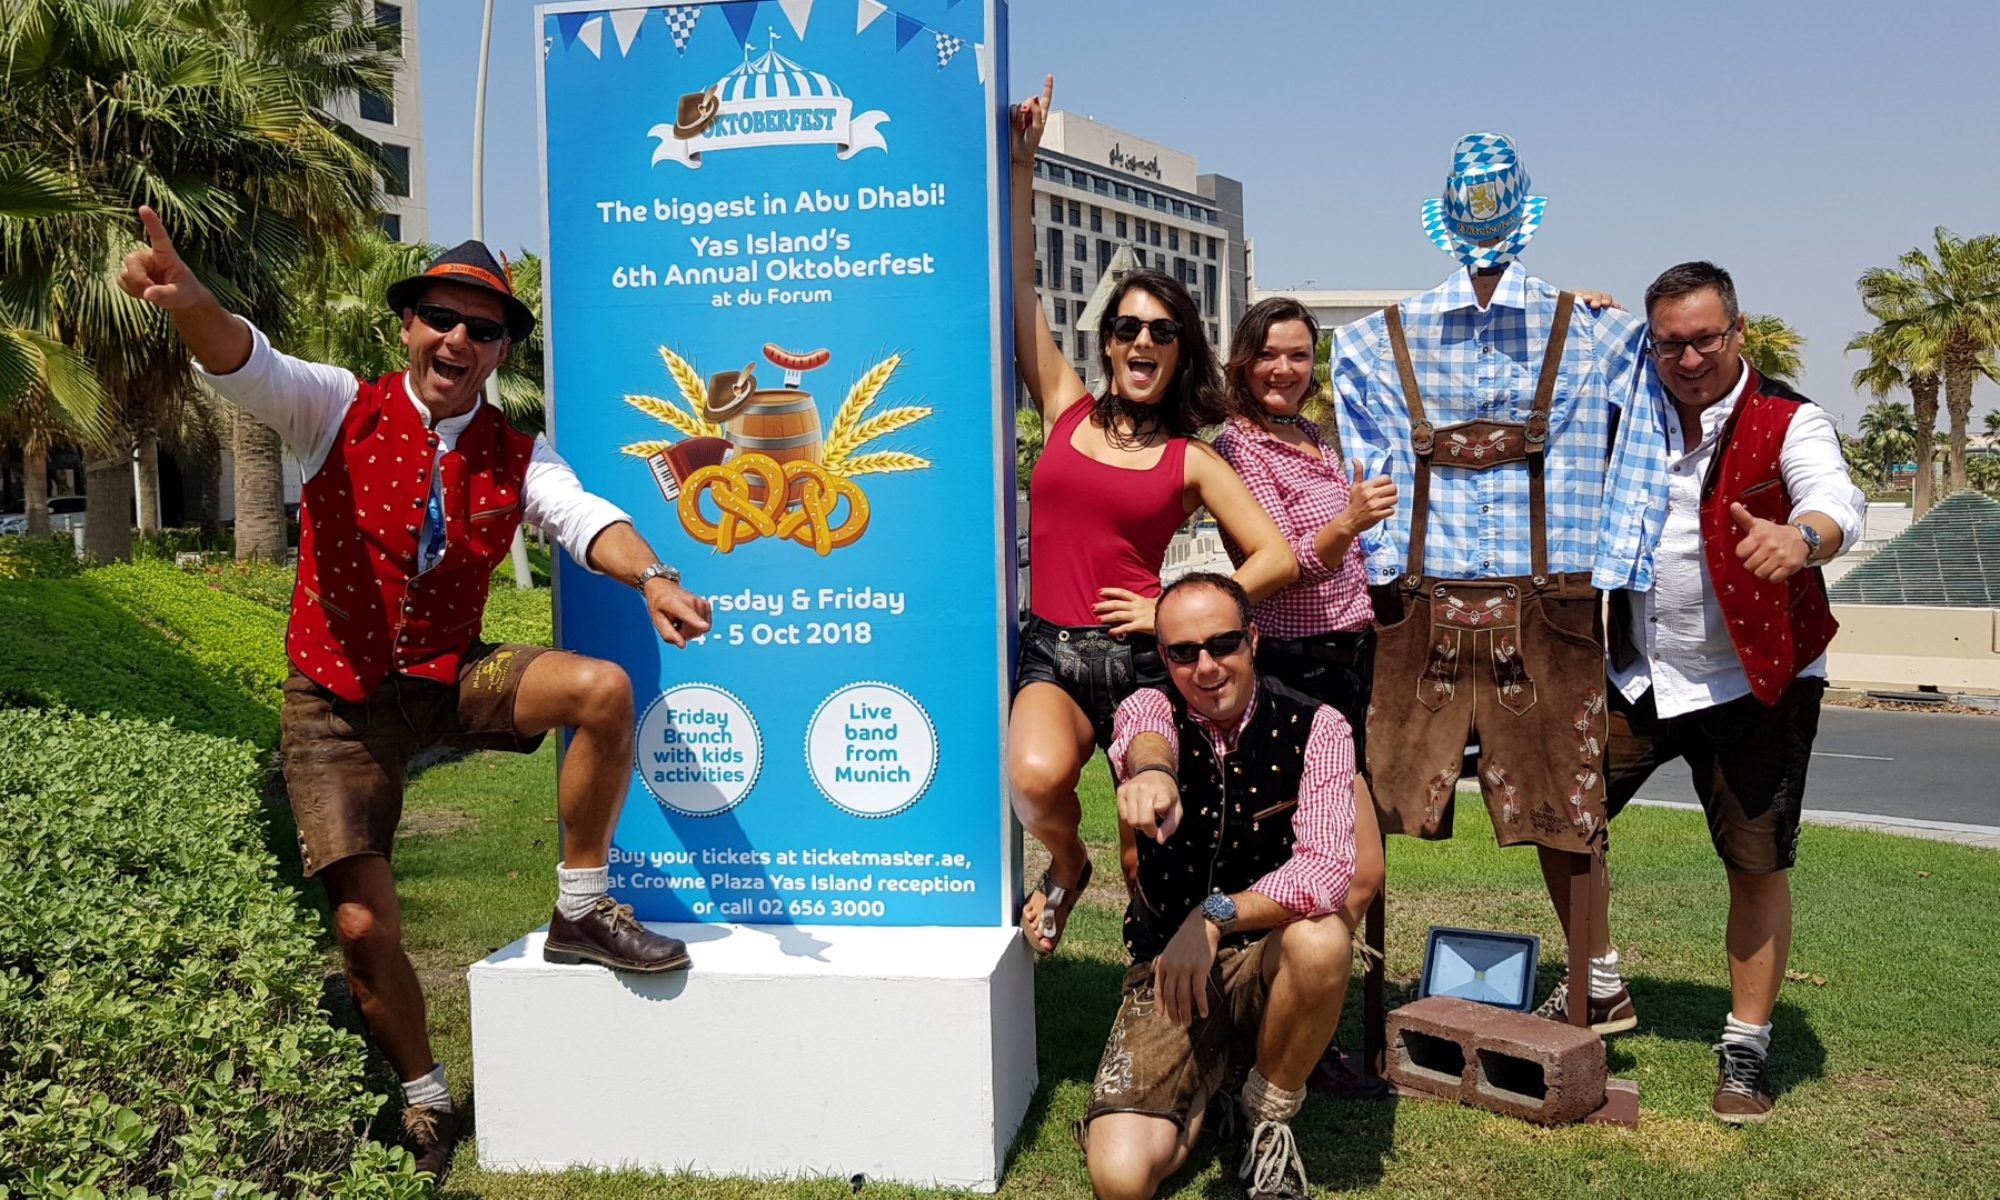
(444, 320)
(1222, 645)
(1126, 329)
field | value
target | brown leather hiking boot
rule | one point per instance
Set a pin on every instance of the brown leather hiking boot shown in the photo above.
(1742, 1086)
(609, 934)
(1613, 1014)
(431, 1134)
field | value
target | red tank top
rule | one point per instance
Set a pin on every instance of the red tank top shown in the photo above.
(1091, 525)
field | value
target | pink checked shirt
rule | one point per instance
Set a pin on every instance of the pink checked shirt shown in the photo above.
(1302, 493)
(1313, 882)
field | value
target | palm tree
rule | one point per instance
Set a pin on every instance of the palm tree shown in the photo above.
(1773, 347)
(1948, 301)
(1888, 433)
(1898, 358)
(215, 113)
(1993, 420)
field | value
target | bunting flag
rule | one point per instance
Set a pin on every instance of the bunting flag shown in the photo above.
(906, 28)
(979, 57)
(568, 24)
(680, 23)
(798, 12)
(866, 12)
(592, 35)
(947, 47)
(740, 16)
(625, 22)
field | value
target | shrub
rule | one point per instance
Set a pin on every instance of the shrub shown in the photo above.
(159, 990)
(38, 558)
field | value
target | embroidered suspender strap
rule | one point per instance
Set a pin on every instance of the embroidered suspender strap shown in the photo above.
(1538, 436)
(1422, 438)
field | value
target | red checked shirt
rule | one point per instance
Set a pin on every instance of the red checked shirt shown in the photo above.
(1314, 881)
(1302, 493)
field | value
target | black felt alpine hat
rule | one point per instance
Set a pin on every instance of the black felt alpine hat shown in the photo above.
(469, 264)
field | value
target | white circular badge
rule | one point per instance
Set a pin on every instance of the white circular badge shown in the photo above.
(872, 749)
(699, 750)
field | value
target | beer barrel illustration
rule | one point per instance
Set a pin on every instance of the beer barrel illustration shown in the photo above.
(781, 422)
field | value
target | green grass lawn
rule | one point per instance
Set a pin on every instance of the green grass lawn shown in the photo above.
(1888, 1073)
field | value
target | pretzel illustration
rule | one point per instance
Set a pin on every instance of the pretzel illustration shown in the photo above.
(811, 524)
(732, 496)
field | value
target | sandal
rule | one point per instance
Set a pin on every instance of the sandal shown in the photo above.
(1057, 903)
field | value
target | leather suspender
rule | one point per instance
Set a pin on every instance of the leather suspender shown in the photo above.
(1423, 439)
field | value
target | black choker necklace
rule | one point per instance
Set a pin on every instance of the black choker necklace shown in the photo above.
(1111, 411)
(1295, 420)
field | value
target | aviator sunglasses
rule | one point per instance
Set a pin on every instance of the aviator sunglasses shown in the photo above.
(1126, 329)
(1222, 645)
(444, 320)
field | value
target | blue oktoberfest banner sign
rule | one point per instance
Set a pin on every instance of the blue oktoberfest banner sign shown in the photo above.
(777, 338)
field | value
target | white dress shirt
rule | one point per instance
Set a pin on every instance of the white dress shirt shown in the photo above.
(1685, 654)
(307, 402)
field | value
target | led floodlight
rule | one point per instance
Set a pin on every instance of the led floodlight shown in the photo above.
(1481, 965)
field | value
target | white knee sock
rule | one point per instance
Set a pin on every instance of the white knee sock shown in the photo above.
(1742, 1033)
(1264, 1101)
(579, 888)
(1604, 980)
(428, 1091)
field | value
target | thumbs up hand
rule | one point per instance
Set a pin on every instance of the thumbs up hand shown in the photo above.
(155, 273)
(1773, 552)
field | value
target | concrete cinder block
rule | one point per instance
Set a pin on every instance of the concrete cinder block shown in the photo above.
(1543, 1071)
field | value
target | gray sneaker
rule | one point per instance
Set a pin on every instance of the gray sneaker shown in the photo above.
(1272, 1169)
(1613, 1014)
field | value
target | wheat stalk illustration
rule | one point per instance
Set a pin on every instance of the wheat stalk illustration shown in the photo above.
(645, 449)
(839, 437)
(883, 462)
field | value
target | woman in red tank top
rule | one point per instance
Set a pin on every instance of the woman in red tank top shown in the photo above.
(1118, 475)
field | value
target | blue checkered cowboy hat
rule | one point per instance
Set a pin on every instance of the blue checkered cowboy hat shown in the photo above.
(1485, 196)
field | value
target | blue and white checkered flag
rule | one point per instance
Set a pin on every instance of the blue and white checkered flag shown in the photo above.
(947, 46)
(680, 23)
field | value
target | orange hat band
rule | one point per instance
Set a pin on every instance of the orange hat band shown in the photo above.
(484, 276)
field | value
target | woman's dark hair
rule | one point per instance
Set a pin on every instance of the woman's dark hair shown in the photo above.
(1248, 342)
(1194, 399)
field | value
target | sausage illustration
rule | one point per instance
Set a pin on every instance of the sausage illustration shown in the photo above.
(791, 361)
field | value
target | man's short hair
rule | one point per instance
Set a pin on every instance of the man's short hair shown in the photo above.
(1221, 583)
(1691, 277)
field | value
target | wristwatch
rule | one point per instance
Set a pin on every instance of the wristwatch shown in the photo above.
(1219, 910)
(1811, 536)
(658, 570)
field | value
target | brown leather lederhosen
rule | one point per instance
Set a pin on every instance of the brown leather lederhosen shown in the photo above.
(1517, 663)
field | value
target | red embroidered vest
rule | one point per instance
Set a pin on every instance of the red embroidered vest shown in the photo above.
(360, 611)
(1778, 628)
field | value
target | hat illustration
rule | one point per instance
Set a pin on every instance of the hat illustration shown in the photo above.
(697, 112)
(469, 264)
(1485, 197)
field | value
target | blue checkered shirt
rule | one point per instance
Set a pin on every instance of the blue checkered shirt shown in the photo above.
(1606, 500)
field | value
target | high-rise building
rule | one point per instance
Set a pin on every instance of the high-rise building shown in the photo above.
(396, 120)
(1099, 189)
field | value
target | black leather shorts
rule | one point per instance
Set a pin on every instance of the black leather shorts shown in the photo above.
(1097, 670)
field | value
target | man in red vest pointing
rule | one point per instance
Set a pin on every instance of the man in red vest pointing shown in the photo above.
(1723, 662)
(413, 488)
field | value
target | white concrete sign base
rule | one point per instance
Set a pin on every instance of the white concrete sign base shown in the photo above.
(898, 1054)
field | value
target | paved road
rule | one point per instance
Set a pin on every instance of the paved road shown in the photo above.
(1923, 766)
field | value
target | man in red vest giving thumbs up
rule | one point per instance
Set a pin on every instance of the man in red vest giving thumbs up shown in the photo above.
(413, 488)
(1723, 662)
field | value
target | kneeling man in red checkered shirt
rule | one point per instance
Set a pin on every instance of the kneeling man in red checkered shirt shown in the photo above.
(1239, 794)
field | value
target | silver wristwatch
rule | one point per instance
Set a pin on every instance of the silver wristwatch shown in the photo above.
(1811, 536)
(1219, 910)
(658, 570)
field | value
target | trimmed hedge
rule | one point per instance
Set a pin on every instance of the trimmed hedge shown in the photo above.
(159, 989)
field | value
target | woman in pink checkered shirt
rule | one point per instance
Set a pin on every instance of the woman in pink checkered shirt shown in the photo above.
(1317, 635)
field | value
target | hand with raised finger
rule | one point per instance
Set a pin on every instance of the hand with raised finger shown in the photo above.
(1126, 612)
(677, 613)
(1369, 501)
(1771, 551)
(156, 274)
(1150, 803)
(1030, 118)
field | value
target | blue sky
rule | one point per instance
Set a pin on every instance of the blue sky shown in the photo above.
(1796, 144)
